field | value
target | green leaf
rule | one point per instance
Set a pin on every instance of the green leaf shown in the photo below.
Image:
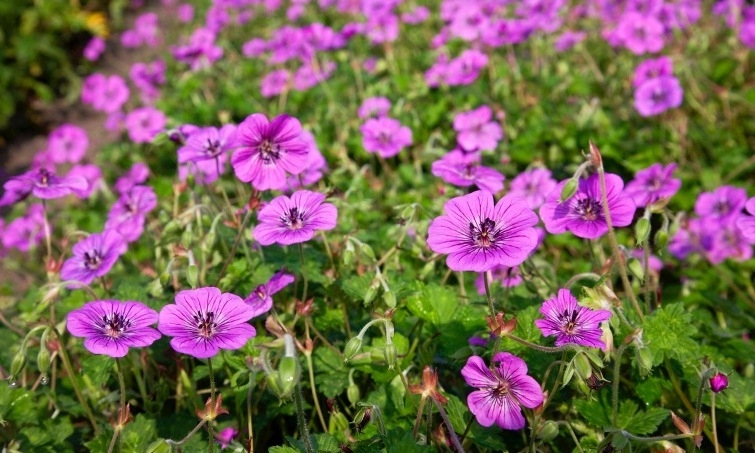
(138, 434)
(668, 333)
(282, 449)
(98, 368)
(331, 376)
(433, 303)
(644, 423)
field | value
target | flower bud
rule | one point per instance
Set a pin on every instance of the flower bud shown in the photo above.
(18, 363)
(352, 348)
(389, 297)
(348, 254)
(642, 230)
(209, 241)
(353, 393)
(570, 188)
(661, 239)
(719, 382)
(548, 431)
(635, 267)
(159, 446)
(582, 366)
(362, 418)
(390, 355)
(43, 359)
(288, 374)
(644, 360)
(369, 296)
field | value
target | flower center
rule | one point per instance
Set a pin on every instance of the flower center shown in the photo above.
(92, 260)
(721, 208)
(44, 177)
(569, 321)
(588, 209)
(485, 234)
(206, 325)
(294, 220)
(114, 325)
(501, 390)
(260, 292)
(213, 147)
(269, 151)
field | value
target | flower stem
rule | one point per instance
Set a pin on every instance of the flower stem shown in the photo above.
(615, 384)
(304, 277)
(236, 242)
(713, 420)
(47, 232)
(122, 404)
(454, 439)
(178, 443)
(249, 411)
(212, 399)
(75, 383)
(615, 244)
(302, 420)
(537, 347)
(486, 279)
(571, 431)
(310, 368)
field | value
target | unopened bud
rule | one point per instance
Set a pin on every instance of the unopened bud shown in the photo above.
(390, 355)
(548, 431)
(635, 267)
(159, 446)
(644, 360)
(209, 241)
(18, 363)
(595, 158)
(719, 382)
(642, 230)
(582, 366)
(369, 296)
(288, 374)
(192, 275)
(352, 348)
(569, 189)
(348, 254)
(389, 297)
(661, 239)
(43, 359)
(353, 393)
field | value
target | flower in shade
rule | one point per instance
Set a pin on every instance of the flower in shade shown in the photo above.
(208, 143)
(94, 48)
(204, 320)
(508, 277)
(67, 143)
(464, 170)
(719, 382)
(723, 204)
(261, 299)
(657, 95)
(93, 256)
(582, 214)
(267, 150)
(225, 436)
(533, 186)
(478, 235)
(385, 136)
(42, 183)
(653, 184)
(144, 123)
(374, 107)
(129, 213)
(570, 322)
(503, 390)
(476, 130)
(292, 220)
(110, 327)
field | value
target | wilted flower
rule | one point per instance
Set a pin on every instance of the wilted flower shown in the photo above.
(478, 235)
(204, 320)
(110, 327)
(570, 322)
(292, 220)
(503, 390)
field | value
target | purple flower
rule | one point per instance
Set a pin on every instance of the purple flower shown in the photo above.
(144, 123)
(204, 320)
(128, 214)
(309, 75)
(464, 170)
(201, 51)
(724, 240)
(316, 165)
(255, 47)
(719, 382)
(93, 257)
(275, 82)
(723, 204)
(477, 235)
(148, 77)
(502, 390)
(67, 143)
(185, 13)
(476, 131)
(105, 93)
(464, 69)
(94, 48)
(26, 231)
(110, 327)
(381, 28)
(746, 223)
(570, 322)
(416, 16)
(375, 107)
(42, 183)
(657, 95)
(651, 69)
(292, 220)
(208, 143)
(654, 263)
(653, 184)
(508, 277)
(267, 150)
(640, 33)
(569, 39)
(533, 186)
(91, 174)
(582, 214)
(137, 174)
(225, 436)
(261, 299)
(385, 136)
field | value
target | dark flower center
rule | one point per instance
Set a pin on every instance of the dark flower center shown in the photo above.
(569, 321)
(721, 208)
(92, 260)
(213, 147)
(469, 170)
(269, 151)
(44, 177)
(501, 390)
(294, 220)
(588, 209)
(384, 137)
(114, 324)
(485, 234)
(260, 292)
(206, 325)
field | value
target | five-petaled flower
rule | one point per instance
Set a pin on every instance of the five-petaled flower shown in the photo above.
(267, 150)
(478, 235)
(502, 390)
(570, 322)
(261, 299)
(292, 220)
(93, 256)
(110, 327)
(204, 320)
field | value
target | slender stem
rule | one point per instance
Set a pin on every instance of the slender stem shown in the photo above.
(327, 250)
(486, 279)
(462, 288)
(537, 347)
(249, 412)
(75, 383)
(615, 245)
(558, 378)
(301, 419)
(713, 420)
(699, 402)
(212, 401)
(110, 447)
(615, 384)
(174, 443)
(47, 232)
(454, 440)
(631, 436)
(582, 276)
(303, 276)
(314, 392)
(420, 411)
(232, 253)
(121, 407)
(573, 435)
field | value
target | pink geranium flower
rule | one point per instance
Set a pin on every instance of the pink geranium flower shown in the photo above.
(292, 220)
